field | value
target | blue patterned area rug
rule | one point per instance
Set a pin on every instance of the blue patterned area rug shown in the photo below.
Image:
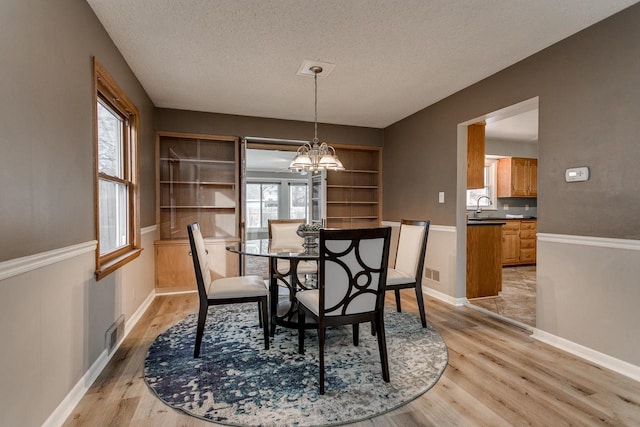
(236, 382)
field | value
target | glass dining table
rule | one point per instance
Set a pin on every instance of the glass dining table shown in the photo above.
(283, 310)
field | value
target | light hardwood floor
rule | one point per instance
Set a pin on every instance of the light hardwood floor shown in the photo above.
(497, 376)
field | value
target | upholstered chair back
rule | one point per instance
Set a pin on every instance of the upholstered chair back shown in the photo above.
(283, 234)
(200, 255)
(353, 268)
(409, 248)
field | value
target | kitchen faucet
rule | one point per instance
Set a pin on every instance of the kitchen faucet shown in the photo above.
(478, 208)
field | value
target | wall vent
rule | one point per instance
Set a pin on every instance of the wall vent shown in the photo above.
(432, 274)
(114, 334)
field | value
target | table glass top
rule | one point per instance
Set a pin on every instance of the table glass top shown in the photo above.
(262, 247)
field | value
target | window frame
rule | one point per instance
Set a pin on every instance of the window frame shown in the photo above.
(262, 182)
(107, 91)
(491, 187)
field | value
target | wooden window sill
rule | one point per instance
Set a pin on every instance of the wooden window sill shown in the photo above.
(109, 267)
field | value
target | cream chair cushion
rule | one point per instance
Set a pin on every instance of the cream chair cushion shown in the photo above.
(304, 267)
(397, 277)
(236, 287)
(310, 299)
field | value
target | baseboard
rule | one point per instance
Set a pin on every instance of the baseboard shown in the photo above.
(68, 404)
(444, 297)
(601, 359)
(504, 319)
(159, 294)
(135, 317)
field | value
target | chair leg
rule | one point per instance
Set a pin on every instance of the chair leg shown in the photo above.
(202, 319)
(398, 306)
(260, 313)
(382, 347)
(264, 315)
(420, 299)
(301, 320)
(321, 333)
(356, 334)
(273, 302)
(373, 328)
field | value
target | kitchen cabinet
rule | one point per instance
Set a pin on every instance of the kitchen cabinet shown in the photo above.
(517, 177)
(511, 242)
(519, 242)
(197, 181)
(484, 253)
(475, 155)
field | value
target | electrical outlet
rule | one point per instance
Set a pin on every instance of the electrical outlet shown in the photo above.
(505, 207)
(435, 275)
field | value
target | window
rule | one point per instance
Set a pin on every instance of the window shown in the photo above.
(298, 200)
(116, 190)
(262, 203)
(489, 190)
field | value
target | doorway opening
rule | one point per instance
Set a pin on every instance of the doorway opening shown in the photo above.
(270, 191)
(511, 138)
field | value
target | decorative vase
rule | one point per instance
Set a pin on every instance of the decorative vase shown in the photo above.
(310, 240)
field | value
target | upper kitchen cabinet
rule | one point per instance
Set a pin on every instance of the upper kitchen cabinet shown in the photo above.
(475, 155)
(517, 177)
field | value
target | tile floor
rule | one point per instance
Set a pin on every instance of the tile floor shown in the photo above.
(517, 300)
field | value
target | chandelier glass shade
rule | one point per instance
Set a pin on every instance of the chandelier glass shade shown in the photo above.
(315, 156)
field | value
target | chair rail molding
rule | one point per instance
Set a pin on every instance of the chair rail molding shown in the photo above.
(602, 242)
(21, 265)
(14, 267)
(445, 228)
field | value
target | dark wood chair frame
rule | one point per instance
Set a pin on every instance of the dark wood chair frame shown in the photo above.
(417, 282)
(288, 279)
(376, 317)
(206, 302)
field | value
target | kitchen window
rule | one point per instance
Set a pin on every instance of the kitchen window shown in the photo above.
(489, 190)
(116, 175)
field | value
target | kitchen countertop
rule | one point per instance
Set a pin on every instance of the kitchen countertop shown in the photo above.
(499, 218)
(473, 222)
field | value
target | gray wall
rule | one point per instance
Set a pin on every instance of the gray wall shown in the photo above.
(589, 99)
(46, 123)
(227, 124)
(55, 315)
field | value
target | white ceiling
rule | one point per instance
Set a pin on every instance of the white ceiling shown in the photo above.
(521, 127)
(392, 57)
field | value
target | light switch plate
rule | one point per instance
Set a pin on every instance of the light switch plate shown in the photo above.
(577, 174)
(441, 197)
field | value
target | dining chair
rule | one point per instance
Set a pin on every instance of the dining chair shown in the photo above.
(227, 290)
(409, 262)
(283, 235)
(351, 288)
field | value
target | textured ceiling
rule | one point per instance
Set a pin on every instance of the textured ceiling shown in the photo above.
(392, 57)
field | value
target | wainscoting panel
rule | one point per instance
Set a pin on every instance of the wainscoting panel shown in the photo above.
(588, 292)
(54, 316)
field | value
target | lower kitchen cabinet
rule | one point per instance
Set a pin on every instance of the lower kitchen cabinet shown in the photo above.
(174, 266)
(484, 271)
(519, 242)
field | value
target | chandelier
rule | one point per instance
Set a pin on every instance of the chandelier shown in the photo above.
(315, 156)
